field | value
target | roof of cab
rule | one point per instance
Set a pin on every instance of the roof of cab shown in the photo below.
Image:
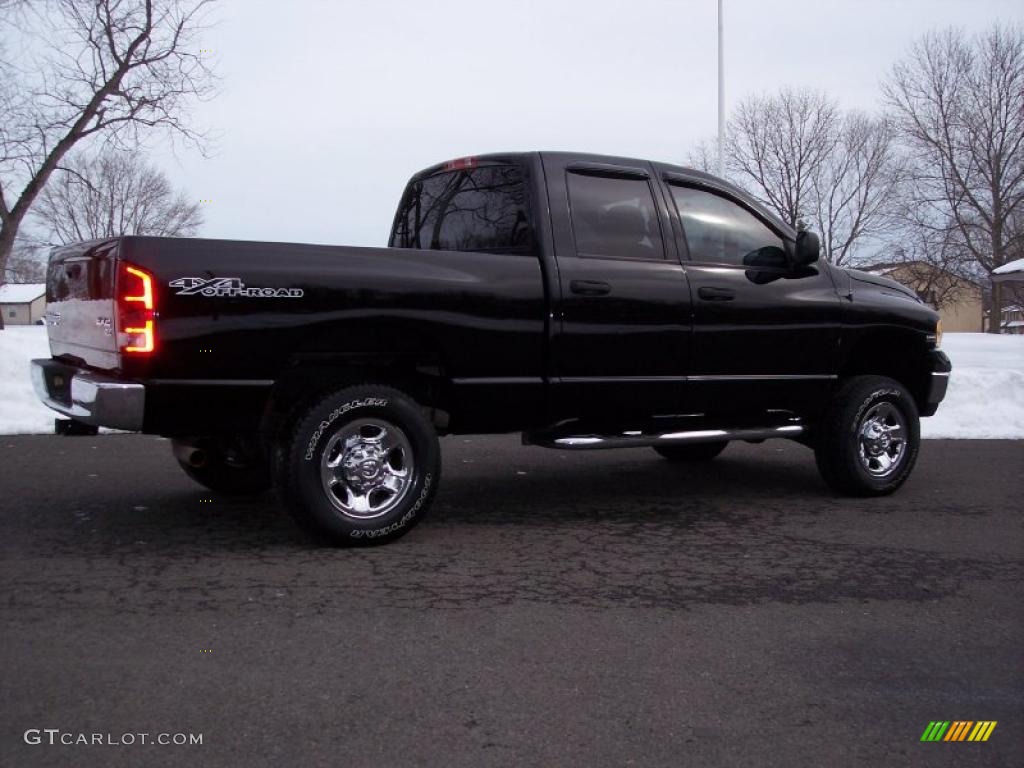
(681, 172)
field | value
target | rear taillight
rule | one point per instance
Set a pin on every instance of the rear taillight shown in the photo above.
(136, 311)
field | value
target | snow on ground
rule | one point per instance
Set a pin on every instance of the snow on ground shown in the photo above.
(20, 409)
(986, 391)
(985, 397)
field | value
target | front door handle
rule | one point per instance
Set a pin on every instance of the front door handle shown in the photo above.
(714, 293)
(590, 287)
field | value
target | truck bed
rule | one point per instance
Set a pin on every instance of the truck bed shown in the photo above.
(235, 316)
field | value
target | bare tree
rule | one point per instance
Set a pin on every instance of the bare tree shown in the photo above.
(775, 144)
(109, 69)
(703, 156)
(113, 194)
(958, 104)
(854, 187)
(806, 159)
(26, 264)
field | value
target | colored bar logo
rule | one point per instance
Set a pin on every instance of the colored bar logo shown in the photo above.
(958, 730)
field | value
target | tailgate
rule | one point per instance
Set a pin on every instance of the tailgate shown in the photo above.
(80, 308)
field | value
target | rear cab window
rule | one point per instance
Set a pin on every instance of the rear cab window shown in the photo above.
(481, 208)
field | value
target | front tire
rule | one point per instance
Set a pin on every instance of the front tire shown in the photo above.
(868, 440)
(360, 467)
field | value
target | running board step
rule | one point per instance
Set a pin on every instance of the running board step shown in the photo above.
(640, 440)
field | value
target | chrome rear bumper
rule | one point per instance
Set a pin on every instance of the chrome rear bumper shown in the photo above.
(89, 397)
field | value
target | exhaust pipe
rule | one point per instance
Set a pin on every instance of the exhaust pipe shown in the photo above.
(196, 458)
(192, 455)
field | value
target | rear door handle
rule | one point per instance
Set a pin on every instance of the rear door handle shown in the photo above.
(590, 287)
(714, 293)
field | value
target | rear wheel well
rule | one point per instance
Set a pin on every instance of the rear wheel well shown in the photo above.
(305, 383)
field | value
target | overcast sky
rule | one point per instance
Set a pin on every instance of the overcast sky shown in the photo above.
(325, 108)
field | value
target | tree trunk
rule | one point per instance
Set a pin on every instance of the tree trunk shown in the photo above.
(7, 233)
(995, 317)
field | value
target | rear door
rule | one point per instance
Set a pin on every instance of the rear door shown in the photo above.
(621, 345)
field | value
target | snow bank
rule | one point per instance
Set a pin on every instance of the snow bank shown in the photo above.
(985, 397)
(20, 409)
(986, 391)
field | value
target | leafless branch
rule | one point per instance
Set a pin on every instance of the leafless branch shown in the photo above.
(108, 70)
(958, 105)
(806, 159)
(112, 194)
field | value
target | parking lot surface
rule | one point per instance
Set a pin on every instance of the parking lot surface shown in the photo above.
(555, 609)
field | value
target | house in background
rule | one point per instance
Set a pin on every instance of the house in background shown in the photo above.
(1011, 275)
(959, 301)
(1013, 319)
(22, 303)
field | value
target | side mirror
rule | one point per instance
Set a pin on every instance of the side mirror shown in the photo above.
(808, 248)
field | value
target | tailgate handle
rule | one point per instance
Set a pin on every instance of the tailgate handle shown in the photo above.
(714, 293)
(590, 287)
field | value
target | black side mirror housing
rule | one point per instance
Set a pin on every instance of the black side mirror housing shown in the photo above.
(808, 248)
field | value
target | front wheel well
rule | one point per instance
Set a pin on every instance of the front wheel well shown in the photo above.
(897, 354)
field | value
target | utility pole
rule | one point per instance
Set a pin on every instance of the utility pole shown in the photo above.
(721, 92)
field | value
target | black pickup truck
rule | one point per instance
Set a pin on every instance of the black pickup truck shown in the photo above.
(585, 301)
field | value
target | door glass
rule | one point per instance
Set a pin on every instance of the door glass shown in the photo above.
(614, 217)
(720, 231)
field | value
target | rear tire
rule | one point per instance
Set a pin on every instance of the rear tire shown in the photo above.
(691, 452)
(868, 441)
(360, 467)
(228, 467)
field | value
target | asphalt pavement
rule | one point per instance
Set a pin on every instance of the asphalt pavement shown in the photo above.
(555, 609)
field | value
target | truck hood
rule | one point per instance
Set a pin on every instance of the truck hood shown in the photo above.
(881, 282)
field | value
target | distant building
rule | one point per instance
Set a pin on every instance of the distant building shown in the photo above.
(22, 303)
(960, 302)
(1011, 274)
(1013, 320)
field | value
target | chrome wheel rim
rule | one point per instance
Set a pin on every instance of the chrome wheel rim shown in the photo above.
(882, 439)
(367, 468)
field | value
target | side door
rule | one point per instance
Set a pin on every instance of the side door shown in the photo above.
(621, 345)
(766, 333)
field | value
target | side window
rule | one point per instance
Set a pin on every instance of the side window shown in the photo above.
(614, 217)
(478, 209)
(720, 231)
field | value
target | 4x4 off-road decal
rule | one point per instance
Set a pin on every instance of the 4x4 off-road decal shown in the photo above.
(229, 286)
